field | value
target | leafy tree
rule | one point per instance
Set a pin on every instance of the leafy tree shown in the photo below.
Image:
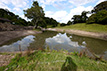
(35, 13)
(91, 19)
(100, 17)
(62, 24)
(80, 18)
(84, 16)
(50, 21)
(69, 22)
(100, 6)
(4, 13)
(76, 19)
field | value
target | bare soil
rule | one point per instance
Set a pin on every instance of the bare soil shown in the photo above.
(8, 35)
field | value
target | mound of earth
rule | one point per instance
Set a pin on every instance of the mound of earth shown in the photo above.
(10, 27)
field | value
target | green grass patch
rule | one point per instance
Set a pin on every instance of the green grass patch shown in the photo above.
(54, 61)
(86, 27)
(37, 29)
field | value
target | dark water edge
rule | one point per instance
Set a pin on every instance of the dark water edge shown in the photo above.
(56, 41)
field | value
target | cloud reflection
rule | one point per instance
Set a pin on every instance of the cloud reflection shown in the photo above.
(24, 43)
(62, 41)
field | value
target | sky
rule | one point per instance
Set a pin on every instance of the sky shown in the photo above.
(60, 10)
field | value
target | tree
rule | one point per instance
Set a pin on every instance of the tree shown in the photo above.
(69, 22)
(51, 22)
(62, 24)
(35, 13)
(91, 19)
(99, 17)
(4, 13)
(84, 16)
(80, 18)
(76, 19)
(100, 6)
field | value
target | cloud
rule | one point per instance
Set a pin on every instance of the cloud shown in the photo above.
(61, 2)
(100, 1)
(64, 16)
(62, 41)
(59, 15)
(2, 5)
(63, 10)
(80, 2)
(17, 10)
(50, 2)
(16, 6)
(19, 3)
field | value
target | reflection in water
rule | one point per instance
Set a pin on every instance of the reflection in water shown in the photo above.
(57, 41)
(24, 43)
(105, 55)
(62, 41)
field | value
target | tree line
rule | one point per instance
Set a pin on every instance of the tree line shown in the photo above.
(6, 14)
(37, 16)
(98, 15)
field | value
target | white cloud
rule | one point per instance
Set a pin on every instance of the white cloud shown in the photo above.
(2, 5)
(80, 2)
(17, 5)
(61, 2)
(100, 1)
(17, 10)
(59, 15)
(50, 2)
(63, 16)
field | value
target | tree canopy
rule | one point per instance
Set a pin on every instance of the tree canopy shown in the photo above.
(35, 13)
(80, 18)
(100, 6)
(99, 14)
(4, 13)
(99, 17)
(51, 22)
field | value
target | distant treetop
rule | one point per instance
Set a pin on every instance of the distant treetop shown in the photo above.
(100, 6)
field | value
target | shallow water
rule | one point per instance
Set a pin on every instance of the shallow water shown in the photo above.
(56, 41)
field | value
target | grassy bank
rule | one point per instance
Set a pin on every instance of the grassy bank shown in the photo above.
(86, 27)
(54, 61)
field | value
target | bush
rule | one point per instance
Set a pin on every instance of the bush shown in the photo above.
(63, 24)
(91, 19)
(100, 17)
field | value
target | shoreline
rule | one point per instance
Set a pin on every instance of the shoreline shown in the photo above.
(102, 36)
(5, 36)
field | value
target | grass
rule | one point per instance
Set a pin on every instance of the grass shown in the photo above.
(86, 27)
(54, 61)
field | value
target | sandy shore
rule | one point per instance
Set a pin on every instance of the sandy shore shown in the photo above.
(102, 36)
(8, 35)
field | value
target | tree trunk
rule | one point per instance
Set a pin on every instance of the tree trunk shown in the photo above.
(36, 24)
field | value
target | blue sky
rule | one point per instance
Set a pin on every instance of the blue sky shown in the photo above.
(61, 10)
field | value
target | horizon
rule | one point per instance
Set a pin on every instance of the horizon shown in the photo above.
(60, 10)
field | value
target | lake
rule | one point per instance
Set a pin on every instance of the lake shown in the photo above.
(57, 41)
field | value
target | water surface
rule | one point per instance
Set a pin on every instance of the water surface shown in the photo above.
(57, 41)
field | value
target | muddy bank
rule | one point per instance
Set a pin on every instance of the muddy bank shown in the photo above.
(8, 35)
(102, 36)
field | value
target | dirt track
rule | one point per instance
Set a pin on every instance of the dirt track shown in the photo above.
(82, 33)
(8, 35)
